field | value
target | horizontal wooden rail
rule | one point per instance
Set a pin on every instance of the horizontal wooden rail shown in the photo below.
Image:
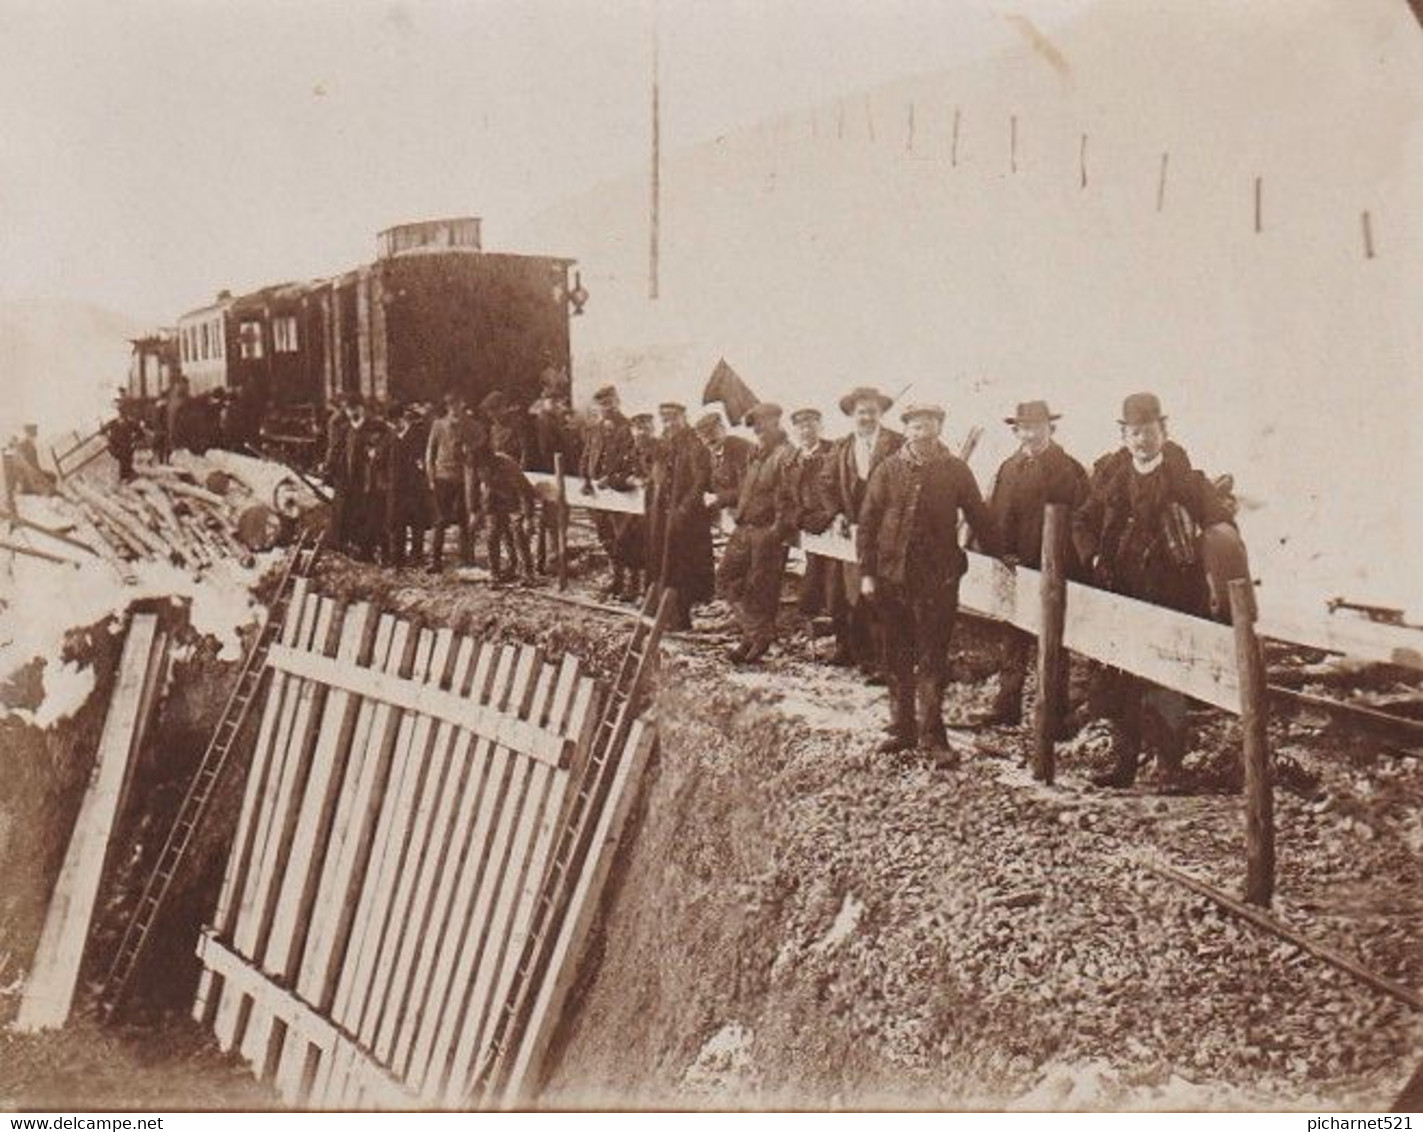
(505, 728)
(1188, 645)
(302, 1019)
(598, 499)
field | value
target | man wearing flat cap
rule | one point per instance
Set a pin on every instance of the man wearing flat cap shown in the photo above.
(803, 505)
(752, 567)
(845, 476)
(610, 460)
(1138, 532)
(729, 457)
(911, 563)
(679, 541)
(1037, 474)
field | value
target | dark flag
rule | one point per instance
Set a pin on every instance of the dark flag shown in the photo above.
(725, 385)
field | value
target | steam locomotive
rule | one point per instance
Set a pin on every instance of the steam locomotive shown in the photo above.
(433, 313)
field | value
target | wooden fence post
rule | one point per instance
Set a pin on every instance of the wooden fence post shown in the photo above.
(1052, 671)
(1259, 787)
(561, 530)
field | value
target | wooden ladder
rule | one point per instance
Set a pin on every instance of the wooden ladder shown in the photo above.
(235, 712)
(615, 722)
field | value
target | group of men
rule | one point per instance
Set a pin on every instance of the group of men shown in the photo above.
(400, 472)
(1136, 520)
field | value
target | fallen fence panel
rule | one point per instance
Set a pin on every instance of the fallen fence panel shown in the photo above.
(394, 851)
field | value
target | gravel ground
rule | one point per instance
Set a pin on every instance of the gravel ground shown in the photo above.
(797, 920)
(855, 928)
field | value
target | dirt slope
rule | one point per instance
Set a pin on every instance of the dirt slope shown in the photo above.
(800, 922)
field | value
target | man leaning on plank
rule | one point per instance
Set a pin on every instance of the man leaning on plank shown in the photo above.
(1138, 532)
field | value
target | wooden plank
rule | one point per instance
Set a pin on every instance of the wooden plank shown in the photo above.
(239, 856)
(306, 1026)
(562, 969)
(316, 804)
(1354, 637)
(306, 861)
(440, 804)
(354, 831)
(49, 989)
(560, 503)
(432, 758)
(344, 1091)
(444, 706)
(511, 850)
(540, 835)
(408, 778)
(490, 907)
(497, 808)
(599, 499)
(548, 822)
(385, 851)
(231, 1009)
(253, 933)
(458, 945)
(531, 682)
(1174, 650)
(412, 1047)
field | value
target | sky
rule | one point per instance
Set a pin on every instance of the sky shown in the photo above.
(154, 152)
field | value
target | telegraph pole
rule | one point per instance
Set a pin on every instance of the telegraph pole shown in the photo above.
(656, 215)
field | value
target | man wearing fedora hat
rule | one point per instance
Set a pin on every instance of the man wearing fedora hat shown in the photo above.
(752, 566)
(1137, 531)
(845, 477)
(1037, 474)
(911, 563)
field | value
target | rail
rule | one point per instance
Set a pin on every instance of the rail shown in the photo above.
(1218, 664)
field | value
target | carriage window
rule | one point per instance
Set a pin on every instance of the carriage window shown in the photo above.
(218, 347)
(284, 337)
(249, 340)
(207, 341)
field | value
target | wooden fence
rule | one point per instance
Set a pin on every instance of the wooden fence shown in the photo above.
(1219, 664)
(409, 796)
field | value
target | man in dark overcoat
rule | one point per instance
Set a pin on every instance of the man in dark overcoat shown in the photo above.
(366, 481)
(408, 505)
(804, 508)
(679, 542)
(845, 477)
(911, 562)
(1037, 474)
(610, 461)
(729, 457)
(754, 562)
(1138, 533)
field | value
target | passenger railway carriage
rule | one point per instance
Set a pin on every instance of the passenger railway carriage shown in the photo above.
(433, 313)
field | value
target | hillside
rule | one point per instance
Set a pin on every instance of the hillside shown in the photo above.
(873, 239)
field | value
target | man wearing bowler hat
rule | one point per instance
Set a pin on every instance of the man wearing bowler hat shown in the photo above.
(844, 479)
(1137, 531)
(1037, 474)
(911, 563)
(749, 576)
